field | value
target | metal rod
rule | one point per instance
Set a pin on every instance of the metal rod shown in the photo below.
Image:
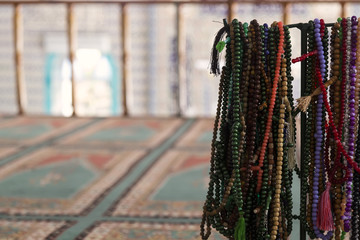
(125, 64)
(181, 49)
(300, 25)
(303, 29)
(72, 39)
(19, 65)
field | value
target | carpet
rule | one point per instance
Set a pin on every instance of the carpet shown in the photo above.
(175, 186)
(54, 181)
(31, 230)
(146, 231)
(127, 133)
(114, 178)
(23, 131)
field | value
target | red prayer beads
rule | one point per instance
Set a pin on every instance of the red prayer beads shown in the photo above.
(271, 106)
(303, 57)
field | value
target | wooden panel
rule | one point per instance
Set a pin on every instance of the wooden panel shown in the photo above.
(231, 4)
(181, 51)
(72, 38)
(19, 65)
(125, 65)
(286, 12)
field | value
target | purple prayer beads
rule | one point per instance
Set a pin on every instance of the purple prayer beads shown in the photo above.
(351, 136)
(318, 136)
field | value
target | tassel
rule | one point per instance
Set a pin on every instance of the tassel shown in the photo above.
(291, 139)
(221, 45)
(240, 229)
(303, 102)
(214, 61)
(325, 220)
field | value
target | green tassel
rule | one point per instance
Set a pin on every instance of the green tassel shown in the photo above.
(221, 45)
(240, 232)
(236, 231)
(343, 234)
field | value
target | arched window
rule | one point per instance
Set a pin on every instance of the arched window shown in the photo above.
(96, 75)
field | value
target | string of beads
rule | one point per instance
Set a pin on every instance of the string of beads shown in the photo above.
(253, 146)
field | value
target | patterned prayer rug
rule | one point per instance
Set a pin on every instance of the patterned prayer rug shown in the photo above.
(28, 131)
(175, 186)
(115, 178)
(199, 136)
(32, 230)
(5, 151)
(55, 181)
(126, 132)
(147, 231)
